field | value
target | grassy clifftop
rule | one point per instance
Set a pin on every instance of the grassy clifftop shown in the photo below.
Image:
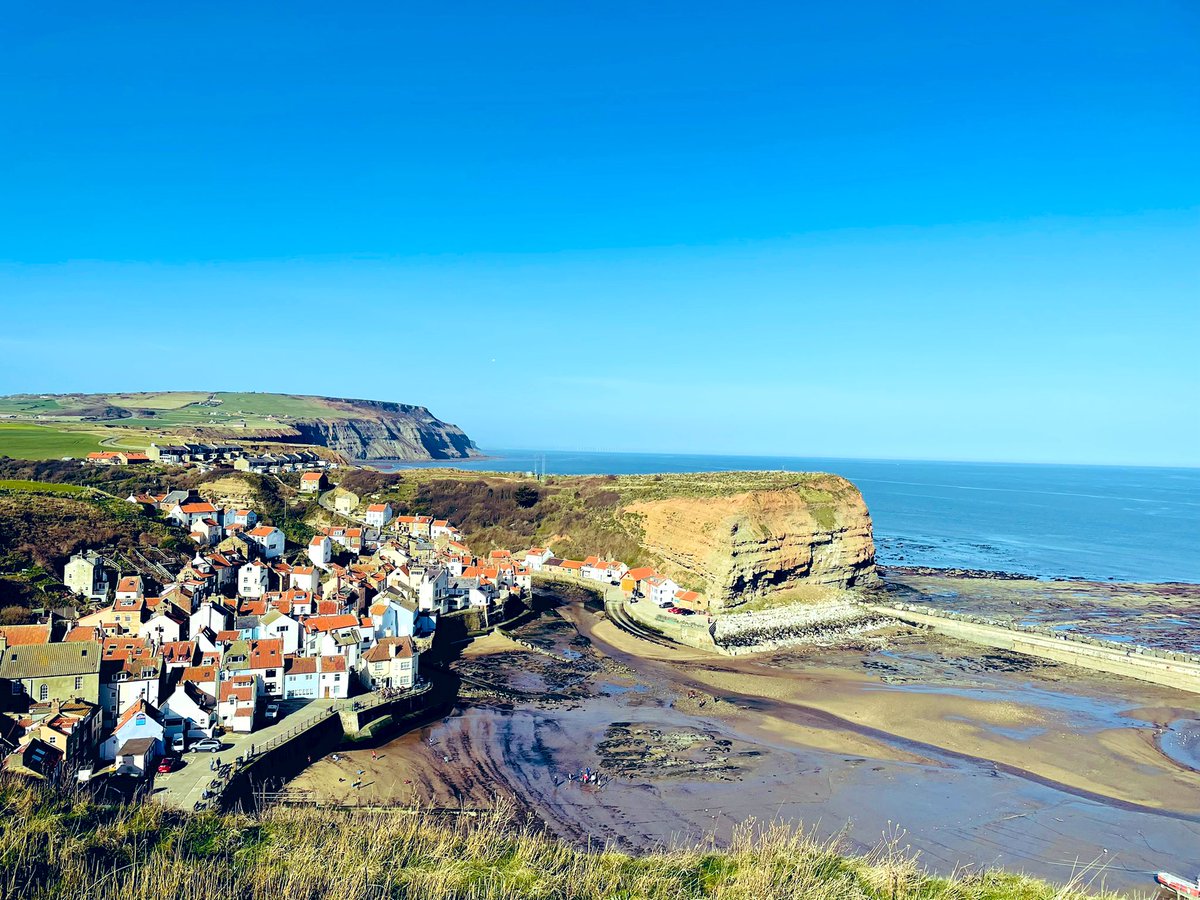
(53, 847)
(727, 534)
(46, 426)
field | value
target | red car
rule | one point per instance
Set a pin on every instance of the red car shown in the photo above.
(168, 764)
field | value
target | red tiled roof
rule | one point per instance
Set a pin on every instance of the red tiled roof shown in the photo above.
(237, 688)
(20, 635)
(266, 653)
(640, 573)
(316, 624)
(123, 647)
(178, 651)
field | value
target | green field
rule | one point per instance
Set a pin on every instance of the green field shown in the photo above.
(22, 441)
(40, 487)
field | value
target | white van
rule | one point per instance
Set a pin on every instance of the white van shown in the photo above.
(178, 743)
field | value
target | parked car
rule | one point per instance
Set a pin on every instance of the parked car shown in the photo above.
(674, 610)
(168, 764)
(273, 711)
(207, 745)
(178, 743)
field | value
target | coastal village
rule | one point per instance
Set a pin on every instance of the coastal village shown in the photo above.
(250, 630)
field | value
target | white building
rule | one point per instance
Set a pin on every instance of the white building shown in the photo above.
(661, 590)
(253, 580)
(378, 514)
(536, 556)
(213, 615)
(284, 628)
(270, 540)
(206, 532)
(314, 677)
(433, 589)
(85, 575)
(306, 578)
(130, 588)
(189, 711)
(162, 628)
(190, 512)
(320, 551)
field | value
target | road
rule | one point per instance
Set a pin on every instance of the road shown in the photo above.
(184, 788)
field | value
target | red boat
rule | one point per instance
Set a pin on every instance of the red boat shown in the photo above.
(1181, 886)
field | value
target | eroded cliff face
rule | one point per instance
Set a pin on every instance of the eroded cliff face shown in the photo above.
(387, 437)
(750, 544)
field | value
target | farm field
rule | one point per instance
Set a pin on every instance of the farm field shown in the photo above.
(40, 487)
(44, 442)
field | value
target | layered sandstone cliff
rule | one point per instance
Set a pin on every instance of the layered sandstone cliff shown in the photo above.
(414, 435)
(746, 545)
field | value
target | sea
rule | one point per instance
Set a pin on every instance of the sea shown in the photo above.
(1100, 523)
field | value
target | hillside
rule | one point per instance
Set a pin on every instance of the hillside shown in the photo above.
(736, 536)
(54, 847)
(356, 429)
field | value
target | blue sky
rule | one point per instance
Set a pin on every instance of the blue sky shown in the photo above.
(952, 231)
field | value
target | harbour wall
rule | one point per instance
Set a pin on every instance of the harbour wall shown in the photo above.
(1174, 670)
(357, 721)
(690, 631)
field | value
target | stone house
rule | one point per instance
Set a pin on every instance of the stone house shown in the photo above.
(392, 663)
(41, 673)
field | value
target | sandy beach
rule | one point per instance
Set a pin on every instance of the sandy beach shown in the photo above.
(966, 756)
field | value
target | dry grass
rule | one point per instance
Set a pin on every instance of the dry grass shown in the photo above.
(63, 846)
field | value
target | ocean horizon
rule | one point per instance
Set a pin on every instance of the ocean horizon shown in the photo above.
(1046, 520)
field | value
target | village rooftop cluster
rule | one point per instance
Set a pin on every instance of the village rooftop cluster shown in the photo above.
(158, 666)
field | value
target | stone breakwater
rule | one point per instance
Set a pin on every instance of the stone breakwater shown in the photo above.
(1176, 670)
(1047, 631)
(814, 624)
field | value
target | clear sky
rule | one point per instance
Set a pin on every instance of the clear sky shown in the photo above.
(935, 230)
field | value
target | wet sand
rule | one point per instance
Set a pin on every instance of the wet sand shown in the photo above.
(1029, 766)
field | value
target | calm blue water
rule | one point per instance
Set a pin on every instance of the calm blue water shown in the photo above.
(1095, 522)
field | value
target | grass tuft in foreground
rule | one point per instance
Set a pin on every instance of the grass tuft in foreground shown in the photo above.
(67, 846)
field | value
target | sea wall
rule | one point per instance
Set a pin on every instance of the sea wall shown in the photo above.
(1155, 666)
(823, 623)
(691, 631)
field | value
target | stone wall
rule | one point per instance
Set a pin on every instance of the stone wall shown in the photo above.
(1174, 670)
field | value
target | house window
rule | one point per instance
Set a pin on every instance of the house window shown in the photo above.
(78, 682)
(16, 687)
(44, 692)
